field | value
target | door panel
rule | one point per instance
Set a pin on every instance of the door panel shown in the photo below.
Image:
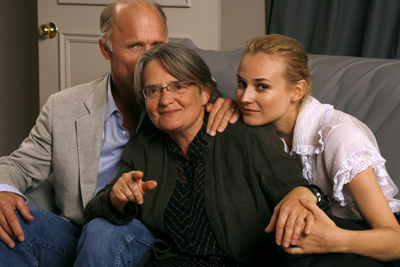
(73, 56)
(80, 59)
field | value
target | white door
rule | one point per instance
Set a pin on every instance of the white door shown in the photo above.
(73, 56)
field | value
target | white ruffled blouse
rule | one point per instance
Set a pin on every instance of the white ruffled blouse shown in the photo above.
(334, 147)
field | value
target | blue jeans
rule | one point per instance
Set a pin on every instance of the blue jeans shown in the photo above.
(50, 240)
(105, 244)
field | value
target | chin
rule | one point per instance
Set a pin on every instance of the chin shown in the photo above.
(168, 127)
(252, 121)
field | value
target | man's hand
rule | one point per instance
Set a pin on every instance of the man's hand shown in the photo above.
(221, 112)
(130, 187)
(9, 224)
(291, 218)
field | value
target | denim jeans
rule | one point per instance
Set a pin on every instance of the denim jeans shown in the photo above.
(50, 240)
(105, 244)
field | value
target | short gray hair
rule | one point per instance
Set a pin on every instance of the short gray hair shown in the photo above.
(182, 62)
(106, 17)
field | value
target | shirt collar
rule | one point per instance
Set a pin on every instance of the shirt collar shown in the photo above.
(307, 135)
(111, 107)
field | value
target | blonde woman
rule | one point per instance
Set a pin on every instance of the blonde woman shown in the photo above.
(338, 152)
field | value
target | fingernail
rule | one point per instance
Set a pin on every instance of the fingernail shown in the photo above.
(21, 239)
(220, 129)
(208, 131)
(212, 133)
(11, 245)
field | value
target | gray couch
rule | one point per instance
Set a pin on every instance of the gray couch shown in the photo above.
(367, 88)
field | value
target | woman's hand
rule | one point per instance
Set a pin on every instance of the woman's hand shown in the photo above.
(323, 236)
(223, 110)
(130, 187)
(291, 218)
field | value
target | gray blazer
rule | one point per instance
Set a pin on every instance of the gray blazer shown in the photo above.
(64, 143)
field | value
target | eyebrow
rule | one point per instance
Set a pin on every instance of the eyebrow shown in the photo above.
(255, 80)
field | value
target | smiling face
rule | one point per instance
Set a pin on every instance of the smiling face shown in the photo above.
(135, 29)
(180, 115)
(263, 94)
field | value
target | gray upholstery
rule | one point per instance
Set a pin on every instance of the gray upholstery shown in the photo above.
(367, 88)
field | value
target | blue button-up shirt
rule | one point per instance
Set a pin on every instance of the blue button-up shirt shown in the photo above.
(113, 141)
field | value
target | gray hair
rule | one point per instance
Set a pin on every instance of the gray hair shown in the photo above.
(106, 17)
(181, 62)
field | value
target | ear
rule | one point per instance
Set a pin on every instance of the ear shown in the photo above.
(205, 95)
(299, 90)
(104, 49)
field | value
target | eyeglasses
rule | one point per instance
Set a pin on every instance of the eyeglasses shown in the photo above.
(174, 88)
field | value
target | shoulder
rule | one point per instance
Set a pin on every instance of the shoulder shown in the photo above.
(345, 138)
(244, 131)
(79, 92)
(343, 127)
(249, 138)
(79, 100)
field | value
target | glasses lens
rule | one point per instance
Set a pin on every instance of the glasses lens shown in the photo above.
(178, 87)
(151, 91)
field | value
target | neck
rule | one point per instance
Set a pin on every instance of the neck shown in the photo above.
(285, 126)
(126, 102)
(183, 140)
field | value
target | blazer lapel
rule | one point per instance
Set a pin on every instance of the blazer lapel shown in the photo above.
(89, 130)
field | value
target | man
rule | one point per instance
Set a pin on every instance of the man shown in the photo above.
(78, 139)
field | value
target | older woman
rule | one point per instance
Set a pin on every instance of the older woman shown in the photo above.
(338, 152)
(207, 200)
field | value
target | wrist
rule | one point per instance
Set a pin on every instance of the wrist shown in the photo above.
(116, 203)
(323, 201)
(342, 241)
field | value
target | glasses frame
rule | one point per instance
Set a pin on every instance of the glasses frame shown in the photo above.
(167, 87)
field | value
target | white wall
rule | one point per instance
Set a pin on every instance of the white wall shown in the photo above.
(240, 21)
(217, 24)
(200, 22)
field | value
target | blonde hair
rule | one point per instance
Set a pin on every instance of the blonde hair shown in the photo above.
(106, 17)
(292, 53)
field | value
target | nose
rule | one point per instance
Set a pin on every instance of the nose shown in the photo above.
(147, 47)
(166, 97)
(246, 95)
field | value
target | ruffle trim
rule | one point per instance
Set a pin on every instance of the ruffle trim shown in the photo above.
(356, 163)
(307, 151)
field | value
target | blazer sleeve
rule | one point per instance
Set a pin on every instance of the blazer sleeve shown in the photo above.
(31, 163)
